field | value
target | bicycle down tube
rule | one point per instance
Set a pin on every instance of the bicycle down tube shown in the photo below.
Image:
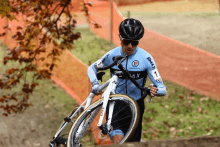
(91, 96)
(110, 90)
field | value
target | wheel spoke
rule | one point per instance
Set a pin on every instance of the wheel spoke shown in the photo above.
(121, 119)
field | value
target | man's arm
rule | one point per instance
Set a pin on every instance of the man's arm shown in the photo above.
(155, 77)
(92, 69)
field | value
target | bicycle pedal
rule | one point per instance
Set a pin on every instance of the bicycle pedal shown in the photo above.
(51, 144)
(78, 144)
(61, 140)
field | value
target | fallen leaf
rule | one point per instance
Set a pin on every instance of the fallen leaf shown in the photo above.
(189, 128)
(181, 130)
(200, 109)
(203, 99)
(166, 106)
(181, 96)
(167, 97)
(172, 129)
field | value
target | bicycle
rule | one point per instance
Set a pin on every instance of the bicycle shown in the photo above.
(90, 127)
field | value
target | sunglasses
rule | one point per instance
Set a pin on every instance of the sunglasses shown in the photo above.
(127, 42)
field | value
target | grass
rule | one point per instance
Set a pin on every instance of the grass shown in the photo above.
(90, 47)
(181, 113)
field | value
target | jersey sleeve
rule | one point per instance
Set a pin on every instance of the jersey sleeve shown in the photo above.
(155, 77)
(92, 69)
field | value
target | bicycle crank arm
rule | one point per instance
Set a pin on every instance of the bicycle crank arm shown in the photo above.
(51, 144)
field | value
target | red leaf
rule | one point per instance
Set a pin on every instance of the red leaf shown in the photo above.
(26, 89)
(2, 100)
(5, 114)
(34, 85)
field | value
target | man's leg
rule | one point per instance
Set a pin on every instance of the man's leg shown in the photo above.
(137, 135)
(117, 138)
(119, 122)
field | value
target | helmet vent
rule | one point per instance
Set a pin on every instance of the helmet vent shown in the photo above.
(131, 29)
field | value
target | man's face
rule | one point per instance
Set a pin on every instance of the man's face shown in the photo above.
(129, 49)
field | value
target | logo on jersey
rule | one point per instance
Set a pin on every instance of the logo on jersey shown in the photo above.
(99, 63)
(151, 62)
(159, 80)
(135, 63)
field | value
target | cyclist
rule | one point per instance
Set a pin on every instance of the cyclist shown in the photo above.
(138, 62)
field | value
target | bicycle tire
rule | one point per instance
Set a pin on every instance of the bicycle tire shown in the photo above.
(66, 130)
(91, 140)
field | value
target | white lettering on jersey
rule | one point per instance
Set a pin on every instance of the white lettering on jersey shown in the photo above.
(99, 63)
(156, 74)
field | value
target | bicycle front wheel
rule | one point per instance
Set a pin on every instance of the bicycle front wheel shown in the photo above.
(85, 131)
(61, 142)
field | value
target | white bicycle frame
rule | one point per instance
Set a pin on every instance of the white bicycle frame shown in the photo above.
(111, 86)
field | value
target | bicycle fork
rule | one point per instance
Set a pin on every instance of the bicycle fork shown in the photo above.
(84, 126)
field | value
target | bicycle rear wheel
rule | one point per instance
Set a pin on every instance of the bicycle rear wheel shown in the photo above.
(92, 135)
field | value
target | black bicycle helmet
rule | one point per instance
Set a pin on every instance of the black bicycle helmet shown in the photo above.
(131, 29)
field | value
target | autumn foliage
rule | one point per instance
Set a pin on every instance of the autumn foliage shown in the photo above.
(42, 19)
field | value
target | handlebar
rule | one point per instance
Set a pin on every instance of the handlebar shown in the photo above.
(117, 60)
